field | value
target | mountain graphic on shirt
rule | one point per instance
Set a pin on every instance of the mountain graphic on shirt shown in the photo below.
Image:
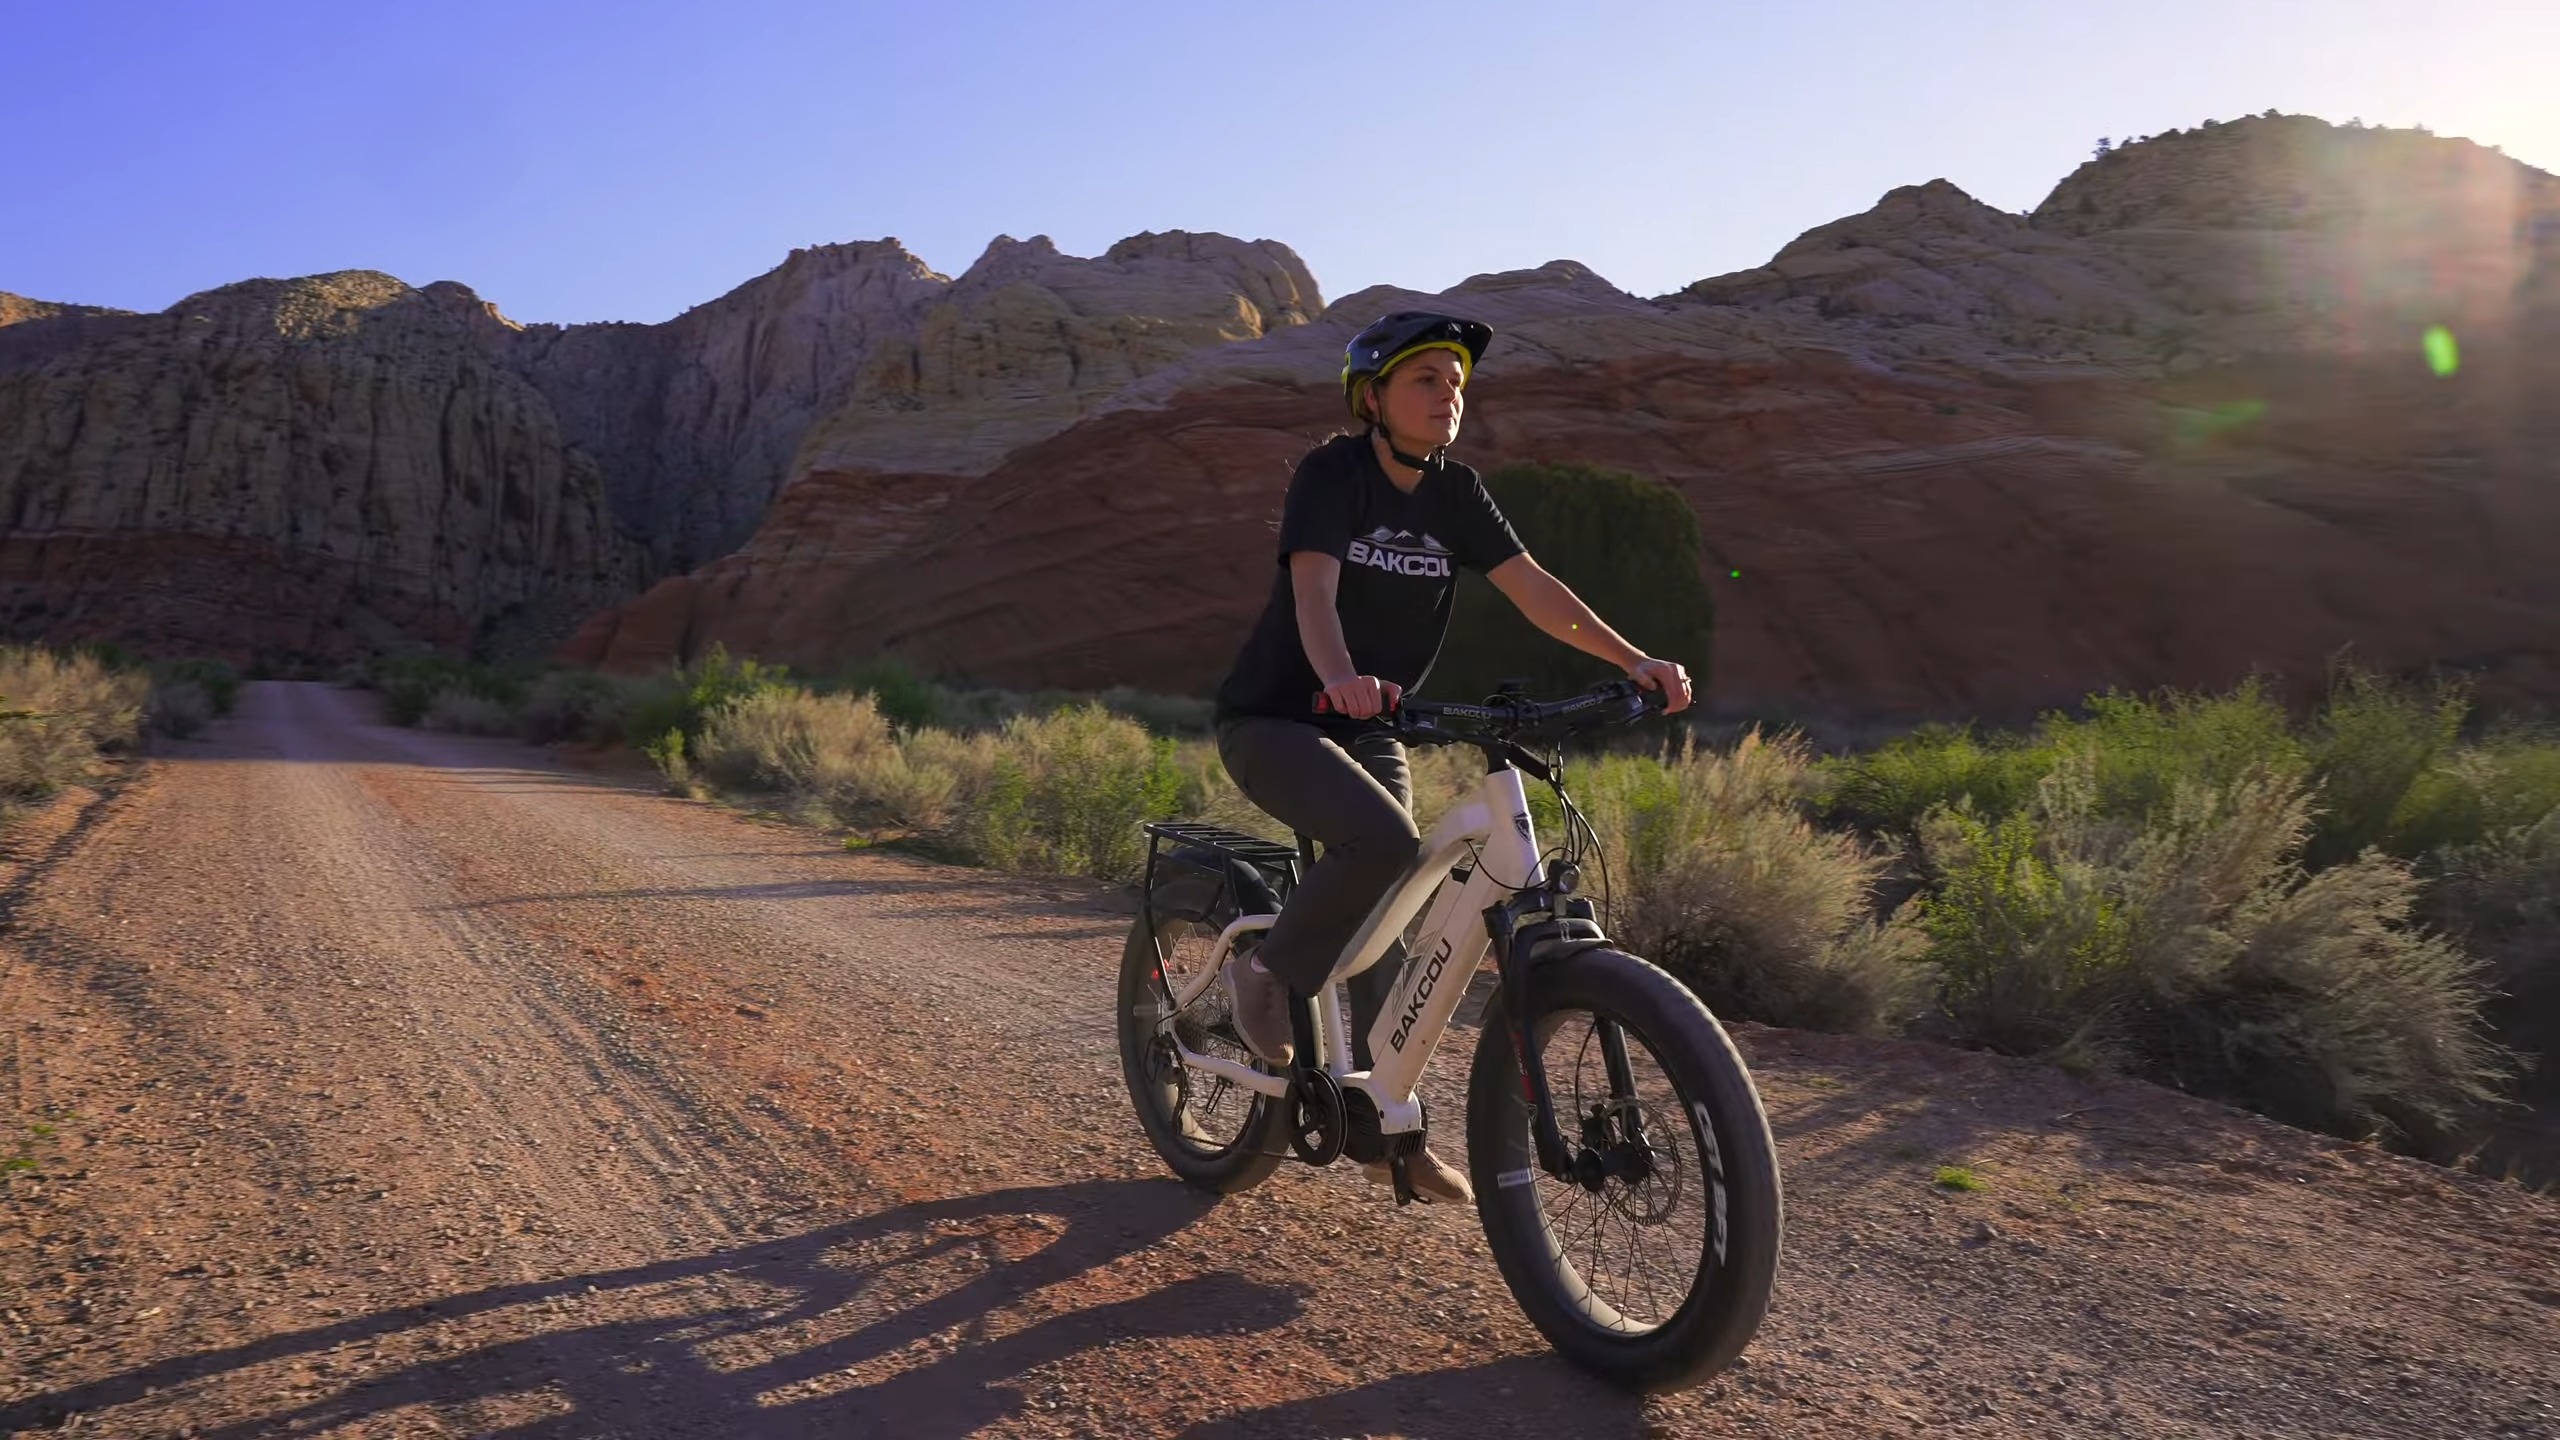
(1406, 540)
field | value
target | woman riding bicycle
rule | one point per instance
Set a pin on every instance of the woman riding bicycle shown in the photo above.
(1371, 534)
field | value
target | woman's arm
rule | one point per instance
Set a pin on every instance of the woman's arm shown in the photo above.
(1315, 578)
(1552, 606)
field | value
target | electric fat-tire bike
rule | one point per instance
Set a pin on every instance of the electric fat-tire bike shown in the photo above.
(1622, 1164)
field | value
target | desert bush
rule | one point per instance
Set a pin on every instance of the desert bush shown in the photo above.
(464, 712)
(219, 682)
(2147, 746)
(2370, 746)
(1176, 715)
(2144, 747)
(580, 705)
(2507, 779)
(785, 739)
(1717, 874)
(2499, 896)
(909, 700)
(410, 684)
(1890, 788)
(2192, 947)
(667, 752)
(685, 698)
(58, 714)
(180, 708)
(1067, 793)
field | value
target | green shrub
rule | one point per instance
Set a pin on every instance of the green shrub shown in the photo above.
(2507, 779)
(686, 698)
(461, 712)
(219, 682)
(1628, 546)
(2372, 743)
(909, 700)
(1718, 876)
(579, 705)
(667, 753)
(1067, 793)
(1891, 788)
(1162, 714)
(409, 684)
(2190, 946)
(2147, 746)
(2499, 896)
(786, 739)
(180, 708)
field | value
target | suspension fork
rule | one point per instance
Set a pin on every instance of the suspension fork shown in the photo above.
(1622, 1078)
(1513, 967)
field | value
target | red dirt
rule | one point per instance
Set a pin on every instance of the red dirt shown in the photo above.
(405, 1084)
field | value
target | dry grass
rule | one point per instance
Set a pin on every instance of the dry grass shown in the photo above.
(58, 714)
(1719, 876)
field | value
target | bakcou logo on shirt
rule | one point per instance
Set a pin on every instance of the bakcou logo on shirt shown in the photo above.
(1401, 552)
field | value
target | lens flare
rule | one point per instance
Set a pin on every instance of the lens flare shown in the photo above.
(2443, 356)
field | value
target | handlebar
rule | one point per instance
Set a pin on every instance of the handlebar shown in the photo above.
(1506, 718)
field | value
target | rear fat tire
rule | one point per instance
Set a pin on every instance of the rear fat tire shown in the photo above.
(1728, 1298)
(1260, 1143)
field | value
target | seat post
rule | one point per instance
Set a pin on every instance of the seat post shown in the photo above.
(1306, 853)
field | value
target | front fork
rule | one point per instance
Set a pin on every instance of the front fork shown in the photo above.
(1585, 1164)
(1511, 961)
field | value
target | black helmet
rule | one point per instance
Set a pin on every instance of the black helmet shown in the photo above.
(1390, 338)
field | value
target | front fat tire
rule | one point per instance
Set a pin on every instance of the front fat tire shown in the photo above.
(1258, 1146)
(1728, 1298)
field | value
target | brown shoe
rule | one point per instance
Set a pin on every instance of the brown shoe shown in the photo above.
(1435, 1181)
(1261, 1002)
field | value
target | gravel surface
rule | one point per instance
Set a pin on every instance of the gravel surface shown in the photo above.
(405, 1084)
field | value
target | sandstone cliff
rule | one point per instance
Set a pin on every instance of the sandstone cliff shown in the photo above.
(341, 463)
(1965, 462)
(312, 467)
(862, 356)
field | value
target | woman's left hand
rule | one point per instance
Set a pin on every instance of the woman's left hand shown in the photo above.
(1666, 677)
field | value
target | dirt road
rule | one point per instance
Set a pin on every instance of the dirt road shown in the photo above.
(402, 1084)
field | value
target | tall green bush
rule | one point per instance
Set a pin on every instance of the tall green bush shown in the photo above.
(2371, 746)
(1627, 545)
(685, 698)
(1717, 874)
(2191, 946)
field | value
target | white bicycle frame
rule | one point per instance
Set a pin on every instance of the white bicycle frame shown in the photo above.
(1492, 824)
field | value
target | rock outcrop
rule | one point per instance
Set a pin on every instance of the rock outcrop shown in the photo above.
(309, 468)
(1949, 461)
(341, 463)
(861, 356)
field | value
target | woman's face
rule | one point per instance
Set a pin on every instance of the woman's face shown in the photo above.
(1421, 400)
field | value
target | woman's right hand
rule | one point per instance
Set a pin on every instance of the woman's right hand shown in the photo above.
(1362, 696)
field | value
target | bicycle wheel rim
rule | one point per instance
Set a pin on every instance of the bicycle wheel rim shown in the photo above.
(1207, 1115)
(1637, 1254)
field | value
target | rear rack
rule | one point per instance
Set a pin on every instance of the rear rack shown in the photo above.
(1279, 867)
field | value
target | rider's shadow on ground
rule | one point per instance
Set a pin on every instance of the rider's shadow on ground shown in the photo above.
(728, 1372)
(1528, 1395)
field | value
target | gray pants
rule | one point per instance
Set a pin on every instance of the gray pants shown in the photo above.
(1356, 800)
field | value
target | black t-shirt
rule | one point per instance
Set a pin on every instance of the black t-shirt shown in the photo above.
(1399, 554)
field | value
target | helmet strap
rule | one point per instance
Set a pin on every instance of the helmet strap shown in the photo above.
(1410, 462)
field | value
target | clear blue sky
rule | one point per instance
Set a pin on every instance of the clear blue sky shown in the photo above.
(622, 161)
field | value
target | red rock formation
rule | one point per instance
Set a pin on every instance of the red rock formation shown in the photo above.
(1965, 464)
